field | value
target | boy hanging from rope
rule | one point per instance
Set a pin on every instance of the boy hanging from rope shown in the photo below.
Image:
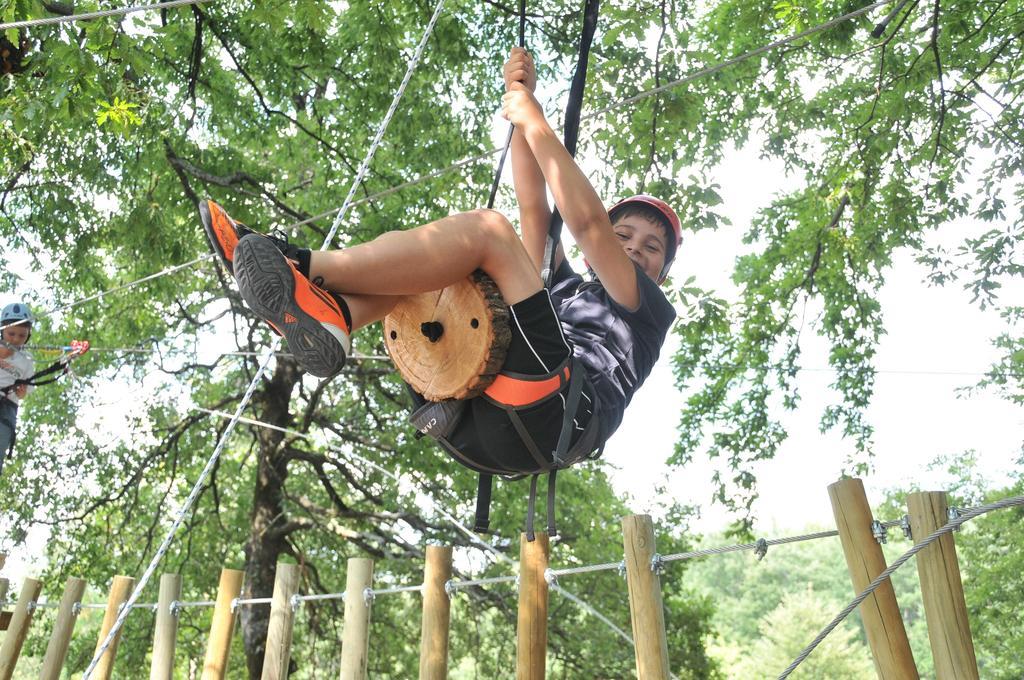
(16, 365)
(591, 345)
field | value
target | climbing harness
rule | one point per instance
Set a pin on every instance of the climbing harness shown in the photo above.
(61, 367)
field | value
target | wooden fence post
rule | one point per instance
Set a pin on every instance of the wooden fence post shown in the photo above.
(355, 637)
(436, 614)
(60, 637)
(120, 591)
(945, 609)
(282, 621)
(4, 616)
(532, 627)
(166, 628)
(215, 666)
(880, 612)
(646, 610)
(18, 628)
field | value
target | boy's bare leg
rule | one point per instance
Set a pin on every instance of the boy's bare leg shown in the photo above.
(431, 257)
(366, 309)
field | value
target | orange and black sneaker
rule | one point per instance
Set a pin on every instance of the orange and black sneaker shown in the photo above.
(308, 316)
(223, 231)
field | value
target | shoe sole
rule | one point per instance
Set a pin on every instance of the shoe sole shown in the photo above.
(267, 284)
(206, 217)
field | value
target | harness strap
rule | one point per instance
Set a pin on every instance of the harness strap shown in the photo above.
(573, 109)
(572, 403)
(531, 508)
(483, 503)
(552, 531)
(509, 390)
(528, 440)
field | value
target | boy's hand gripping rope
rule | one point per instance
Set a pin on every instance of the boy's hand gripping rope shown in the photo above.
(264, 362)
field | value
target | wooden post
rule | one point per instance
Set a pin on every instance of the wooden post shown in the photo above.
(3, 559)
(166, 629)
(219, 646)
(532, 628)
(945, 609)
(120, 590)
(646, 610)
(436, 614)
(355, 637)
(17, 631)
(5, 617)
(60, 637)
(282, 620)
(880, 612)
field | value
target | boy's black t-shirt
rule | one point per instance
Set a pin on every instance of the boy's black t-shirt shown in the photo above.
(618, 347)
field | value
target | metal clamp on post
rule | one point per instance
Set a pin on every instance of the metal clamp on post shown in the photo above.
(550, 578)
(953, 513)
(234, 605)
(175, 608)
(368, 596)
(622, 568)
(32, 604)
(879, 531)
(760, 549)
(294, 602)
(905, 525)
(657, 563)
(449, 588)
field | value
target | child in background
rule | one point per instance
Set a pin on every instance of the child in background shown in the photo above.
(15, 364)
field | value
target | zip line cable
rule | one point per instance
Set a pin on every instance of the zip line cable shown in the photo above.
(120, 11)
(268, 354)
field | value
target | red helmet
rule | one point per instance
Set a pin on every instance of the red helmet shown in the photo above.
(670, 216)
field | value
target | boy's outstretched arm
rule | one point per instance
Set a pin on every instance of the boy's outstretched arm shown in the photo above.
(578, 202)
(527, 178)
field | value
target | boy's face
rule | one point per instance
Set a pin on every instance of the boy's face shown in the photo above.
(16, 335)
(644, 243)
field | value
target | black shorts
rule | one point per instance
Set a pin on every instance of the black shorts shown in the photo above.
(538, 346)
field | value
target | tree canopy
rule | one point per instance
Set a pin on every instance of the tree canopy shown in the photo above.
(112, 129)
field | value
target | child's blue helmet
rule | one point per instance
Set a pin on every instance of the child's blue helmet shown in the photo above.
(15, 313)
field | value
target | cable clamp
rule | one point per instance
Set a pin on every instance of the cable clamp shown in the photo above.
(234, 604)
(760, 549)
(76, 608)
(622, 568)
(905, 525)
(550, 577)
(175, 608)
(879, 531)
(368, 596)
(294, 602)
(31, 606)
(657, 563)
(953, 513)
(449, 588)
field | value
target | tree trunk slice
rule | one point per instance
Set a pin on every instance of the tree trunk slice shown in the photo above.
(474, 336)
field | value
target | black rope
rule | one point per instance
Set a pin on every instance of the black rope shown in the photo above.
(573, 110)
(511, 128)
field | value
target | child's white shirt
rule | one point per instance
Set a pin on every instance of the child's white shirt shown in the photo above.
(18, 366)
